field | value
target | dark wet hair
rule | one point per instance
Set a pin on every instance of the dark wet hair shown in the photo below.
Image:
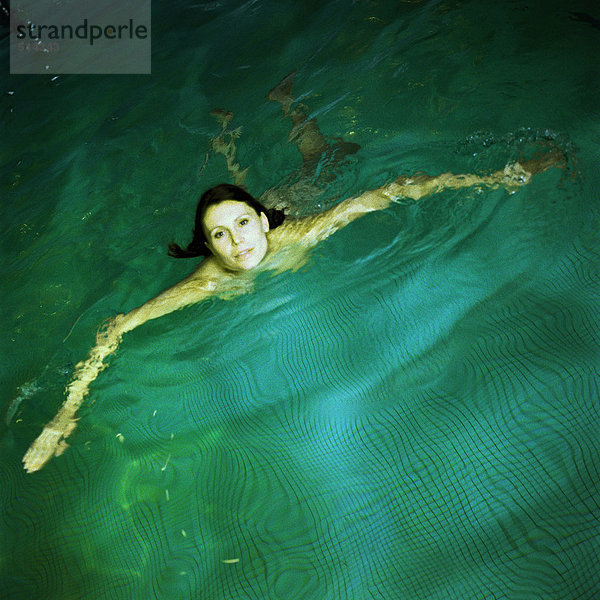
(216, 195)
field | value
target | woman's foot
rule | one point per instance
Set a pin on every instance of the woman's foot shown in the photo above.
(282, 93)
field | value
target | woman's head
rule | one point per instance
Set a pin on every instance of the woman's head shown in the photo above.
(232, 225)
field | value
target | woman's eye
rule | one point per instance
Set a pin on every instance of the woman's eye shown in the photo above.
(218, 235)
(243, 222)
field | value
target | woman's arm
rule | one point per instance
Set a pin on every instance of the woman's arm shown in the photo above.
(51, 442)
(318, 227)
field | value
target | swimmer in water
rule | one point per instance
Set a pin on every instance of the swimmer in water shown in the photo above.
(238, 237)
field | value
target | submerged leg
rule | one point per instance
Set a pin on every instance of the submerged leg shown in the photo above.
(305, 132)
(224, 144)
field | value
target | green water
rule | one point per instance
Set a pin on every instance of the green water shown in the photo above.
(413, 415)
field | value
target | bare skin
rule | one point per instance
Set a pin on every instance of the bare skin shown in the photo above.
(287, 247)
(305, 132)
(230, 270)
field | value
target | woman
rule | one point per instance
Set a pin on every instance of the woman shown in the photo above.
(240, 237)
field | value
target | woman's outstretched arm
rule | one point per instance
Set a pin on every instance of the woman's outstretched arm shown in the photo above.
(51, 442)
(513, 176)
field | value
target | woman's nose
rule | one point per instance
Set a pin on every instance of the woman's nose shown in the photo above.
(237, 237)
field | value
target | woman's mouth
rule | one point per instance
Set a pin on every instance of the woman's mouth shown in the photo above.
(244, 253)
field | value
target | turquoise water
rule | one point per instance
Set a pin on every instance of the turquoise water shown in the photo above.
(413, 414)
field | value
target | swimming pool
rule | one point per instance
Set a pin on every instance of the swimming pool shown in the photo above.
(413, 414)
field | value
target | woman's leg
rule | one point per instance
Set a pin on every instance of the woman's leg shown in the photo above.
(305, 132)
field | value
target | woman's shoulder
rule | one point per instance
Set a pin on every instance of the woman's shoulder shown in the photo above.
(307, 231)
(284, 232)
(296, 229)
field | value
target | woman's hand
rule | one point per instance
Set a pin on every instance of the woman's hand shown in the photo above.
(51, 442)
(520, 173)
(542, 161)
(514, 177)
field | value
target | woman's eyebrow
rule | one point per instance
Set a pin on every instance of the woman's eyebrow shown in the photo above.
(243, 216)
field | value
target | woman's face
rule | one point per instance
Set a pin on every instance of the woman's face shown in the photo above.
(236, 234)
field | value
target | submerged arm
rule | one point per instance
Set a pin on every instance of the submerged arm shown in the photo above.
(51, 442)
(418, 186)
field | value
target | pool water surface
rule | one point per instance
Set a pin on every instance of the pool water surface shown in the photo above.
(412, 414)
